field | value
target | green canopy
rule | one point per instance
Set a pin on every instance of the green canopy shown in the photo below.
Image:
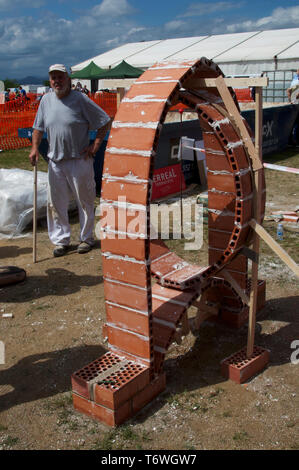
(91, 71)
(122, 70)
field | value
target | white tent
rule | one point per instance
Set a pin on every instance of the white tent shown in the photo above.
(236, 54)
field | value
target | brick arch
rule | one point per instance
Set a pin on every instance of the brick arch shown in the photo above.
(127, 178)
(141, 318)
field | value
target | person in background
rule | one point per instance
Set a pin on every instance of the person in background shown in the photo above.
(17, 93)
(67, 116)
(78, 87)
(294, 84)
(23, 93)
(85, 90)
(292, 95)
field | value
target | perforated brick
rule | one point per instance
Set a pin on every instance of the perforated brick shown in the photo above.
(239, 368)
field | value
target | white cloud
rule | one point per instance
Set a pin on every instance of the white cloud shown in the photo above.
(113, 8)
(136, 30)
(201, 9)
(29, 45)
(280, 18)
(174, 25)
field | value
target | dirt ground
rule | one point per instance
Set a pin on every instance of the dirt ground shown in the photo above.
(58, 313)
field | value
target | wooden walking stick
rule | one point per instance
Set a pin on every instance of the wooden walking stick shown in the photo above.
(34, 209)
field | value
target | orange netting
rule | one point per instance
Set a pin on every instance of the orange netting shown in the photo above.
(15, 114)
(20, 113)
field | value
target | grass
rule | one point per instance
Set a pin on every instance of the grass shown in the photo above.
(123, 437)
(10, 441)
(20, 159)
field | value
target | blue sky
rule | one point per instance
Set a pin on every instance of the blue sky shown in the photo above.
(36, 33)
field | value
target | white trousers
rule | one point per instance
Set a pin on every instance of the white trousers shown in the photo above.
(70, 177)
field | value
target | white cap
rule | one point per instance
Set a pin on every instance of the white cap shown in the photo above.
(59, 67)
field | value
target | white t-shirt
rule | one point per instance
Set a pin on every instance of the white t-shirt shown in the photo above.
(295, 81)
(67, 122)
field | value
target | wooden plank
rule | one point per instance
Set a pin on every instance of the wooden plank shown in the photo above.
(234, 82)
(283, 255)
(257, 204)
(34, 211)
(235, 116)
(235, 285)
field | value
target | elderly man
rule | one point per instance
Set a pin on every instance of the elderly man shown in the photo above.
(67, 116)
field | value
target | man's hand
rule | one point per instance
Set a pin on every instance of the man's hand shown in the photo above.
(36, 140)
(34, 156)
(92, 149)
(89, 152)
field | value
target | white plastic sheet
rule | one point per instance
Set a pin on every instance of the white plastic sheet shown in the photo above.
(16, 200)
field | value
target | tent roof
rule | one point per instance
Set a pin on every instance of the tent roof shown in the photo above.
(223, 48)
(122, 70)
(88, 72)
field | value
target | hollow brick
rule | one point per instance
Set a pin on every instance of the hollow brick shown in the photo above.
(127, 295)
(136, 193)
(136, 138)
(116, 165)
(131, 272)
(126, 340)
(127, 247)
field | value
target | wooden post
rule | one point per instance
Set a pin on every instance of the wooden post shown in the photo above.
(34, 210)
(257, 214)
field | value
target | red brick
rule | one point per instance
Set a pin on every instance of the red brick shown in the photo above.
(131, 342)
(239, 368)
(134, 193)
(132, 248)
(140, 112)
(101, 413)
(135, 138)
(222, 221)
(217, 162)
(126, 384)
(157, 249)
(125, 271)
(218, 239)
(221, 182)
(117, 165)
(127, 319)
(153, 90)
(130, 296)
(146, 395)
(222, 201)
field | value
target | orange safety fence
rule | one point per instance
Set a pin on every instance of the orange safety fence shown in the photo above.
(107, 101)
(15, 114)
(20, 113)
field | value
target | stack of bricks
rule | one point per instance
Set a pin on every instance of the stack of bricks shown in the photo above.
(141, 319)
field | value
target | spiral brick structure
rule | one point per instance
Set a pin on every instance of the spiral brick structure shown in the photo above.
(142, 316)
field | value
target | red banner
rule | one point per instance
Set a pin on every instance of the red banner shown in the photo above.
(168, 180)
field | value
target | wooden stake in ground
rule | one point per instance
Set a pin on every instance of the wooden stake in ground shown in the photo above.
(257, 214)
(34, 210)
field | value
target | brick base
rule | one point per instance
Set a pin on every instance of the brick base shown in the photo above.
(112, 389)
(239, 368)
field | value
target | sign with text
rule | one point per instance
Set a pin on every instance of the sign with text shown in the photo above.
(168, 180)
